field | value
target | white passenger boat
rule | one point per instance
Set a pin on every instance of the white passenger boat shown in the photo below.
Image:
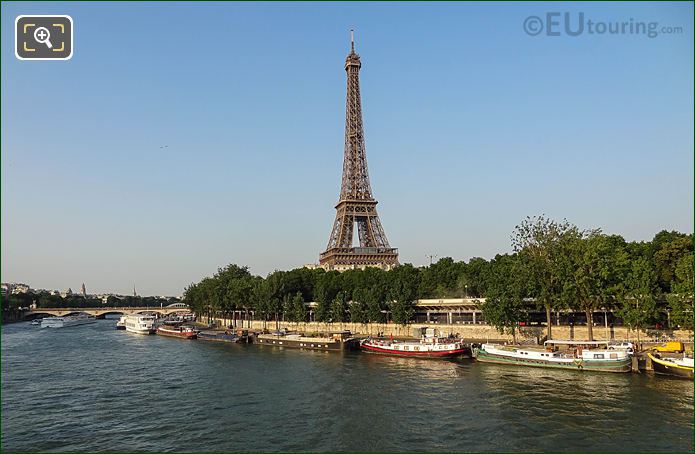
(69, 320)
(581, 359)
(140, 324)
(120, 324)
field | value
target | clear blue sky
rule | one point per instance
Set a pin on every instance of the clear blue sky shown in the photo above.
(471, 125)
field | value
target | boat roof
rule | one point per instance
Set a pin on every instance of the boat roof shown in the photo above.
(575, 342)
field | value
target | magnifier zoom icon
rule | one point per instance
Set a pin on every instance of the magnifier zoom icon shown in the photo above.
(43, 36)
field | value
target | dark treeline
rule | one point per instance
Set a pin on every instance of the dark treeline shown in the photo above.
(554, 266)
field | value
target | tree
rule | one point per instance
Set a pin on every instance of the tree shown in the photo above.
(475, 272)
(680, 300)
(325, 291)
(375, 305)
(668, 254)
(276, 287)
(298, 308)
(504, 306)
(403, 285)
(541, 244)
(261, 296)
(339, 307)
(639, 296)
(358, 306)
(594, 268)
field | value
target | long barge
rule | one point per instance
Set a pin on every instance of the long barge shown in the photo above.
(334, 341)
(581, 360)
(239, 336)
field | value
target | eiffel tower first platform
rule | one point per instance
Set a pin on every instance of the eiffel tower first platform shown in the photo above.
(356, 206)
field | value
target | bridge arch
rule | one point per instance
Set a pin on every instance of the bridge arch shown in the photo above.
(35, 314)
(103, 315)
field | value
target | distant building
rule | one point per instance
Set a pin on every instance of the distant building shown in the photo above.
(84, 291)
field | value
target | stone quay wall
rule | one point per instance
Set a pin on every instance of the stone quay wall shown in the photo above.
(478, 332)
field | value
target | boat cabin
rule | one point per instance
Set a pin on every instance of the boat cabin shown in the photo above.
(340, 336)
(555, 344)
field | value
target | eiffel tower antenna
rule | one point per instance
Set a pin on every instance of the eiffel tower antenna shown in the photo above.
(356, 204)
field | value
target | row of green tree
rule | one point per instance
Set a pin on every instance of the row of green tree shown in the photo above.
(362, 296)
(554, 266)
(560, 267)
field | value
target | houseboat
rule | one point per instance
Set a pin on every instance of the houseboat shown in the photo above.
(590, 359)
(140, 324)
(333, 341)
(183, 332)
(428, 346)
(224, 336)
(67, 321)
(120, 324)
(678, 367)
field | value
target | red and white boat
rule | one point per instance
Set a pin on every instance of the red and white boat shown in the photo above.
(183, 332)
(429, 346)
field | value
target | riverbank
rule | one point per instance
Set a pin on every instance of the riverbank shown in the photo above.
(476, 332)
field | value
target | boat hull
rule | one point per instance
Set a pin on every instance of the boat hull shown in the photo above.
(218, 337)
(144, 331)
(306, 343)
(618, 365)
(464, 351)
(60, 322)
(179, 334)
(668, 368)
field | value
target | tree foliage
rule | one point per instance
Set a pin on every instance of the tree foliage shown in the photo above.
(554, 266)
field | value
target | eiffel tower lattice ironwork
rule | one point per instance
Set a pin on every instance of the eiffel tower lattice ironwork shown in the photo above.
(356, 204)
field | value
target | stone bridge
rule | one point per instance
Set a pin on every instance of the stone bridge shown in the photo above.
(100, 312)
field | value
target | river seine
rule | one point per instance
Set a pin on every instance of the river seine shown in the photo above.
(92, 388)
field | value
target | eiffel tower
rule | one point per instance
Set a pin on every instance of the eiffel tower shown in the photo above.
(356, 204)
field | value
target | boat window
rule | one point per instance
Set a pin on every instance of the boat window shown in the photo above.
(598, 355)
(406, 348)
(614, 356)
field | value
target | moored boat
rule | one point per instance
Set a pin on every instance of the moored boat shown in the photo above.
(36, 321)
(183, 332)
(334, 341)
(219, 336)
(598, 360)
(67, 321)
(120, 324)
(678, 367)
(140, 324)
(429, 346)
